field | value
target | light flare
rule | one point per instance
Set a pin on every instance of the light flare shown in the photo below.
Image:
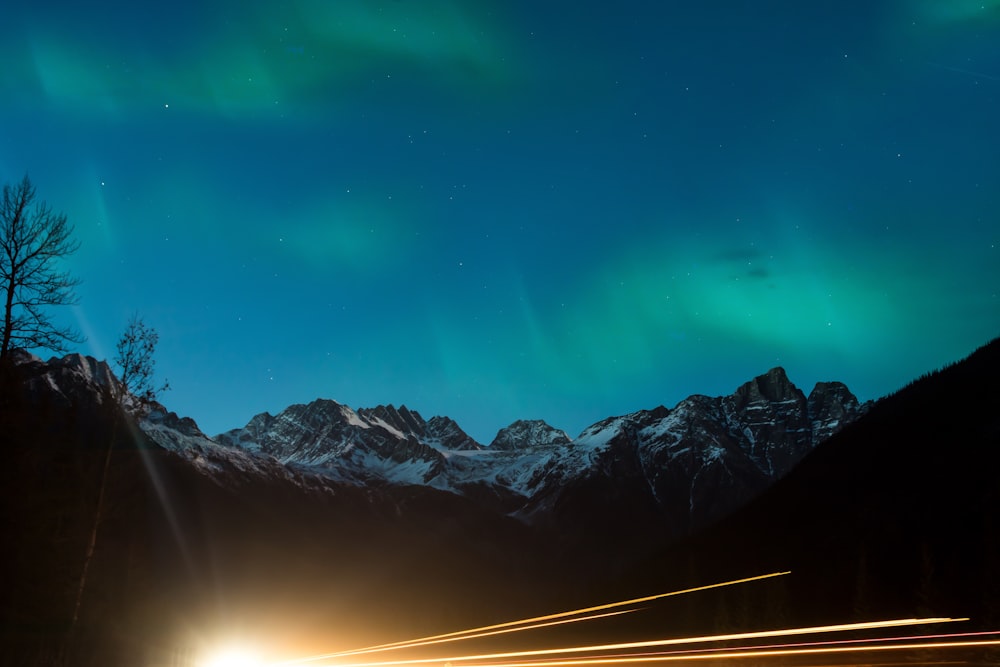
(233, 656)
(585, 614)
(871, 641)
(489, 658)
(747, 653)
(674, 649)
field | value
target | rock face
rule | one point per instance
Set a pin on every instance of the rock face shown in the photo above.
(831, 407)
(438, 432)
(706, 457)
(676, 469)
(382, 443)
(68, 380)
(525, 434)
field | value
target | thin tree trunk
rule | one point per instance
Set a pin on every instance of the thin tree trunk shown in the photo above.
(92, 543)
(8, 322)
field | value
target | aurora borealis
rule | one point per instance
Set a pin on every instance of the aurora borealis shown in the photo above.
(502, 210)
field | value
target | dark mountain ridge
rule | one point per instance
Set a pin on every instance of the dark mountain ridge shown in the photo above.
(897, 515)
(198, 539)
(201, 535)
(687, 466)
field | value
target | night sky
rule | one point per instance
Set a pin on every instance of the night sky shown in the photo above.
(510, 209)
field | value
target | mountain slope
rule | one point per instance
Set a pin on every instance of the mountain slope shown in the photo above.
(898, 515)
(679, 469)
(195, 538)
(360, 517)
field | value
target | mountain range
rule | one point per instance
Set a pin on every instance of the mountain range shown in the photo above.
(363, 516)
(694, 463)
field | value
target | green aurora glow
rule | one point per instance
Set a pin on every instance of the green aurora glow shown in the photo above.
(510, 210)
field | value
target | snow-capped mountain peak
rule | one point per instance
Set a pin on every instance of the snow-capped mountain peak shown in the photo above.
(526, 433)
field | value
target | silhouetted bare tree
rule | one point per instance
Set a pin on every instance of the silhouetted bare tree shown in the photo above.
(32, 241)
(135, 363)
(132, 394)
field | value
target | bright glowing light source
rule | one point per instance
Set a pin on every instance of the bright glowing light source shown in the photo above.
(233, 656)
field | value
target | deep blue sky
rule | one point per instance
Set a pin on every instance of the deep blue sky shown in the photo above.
(512, 209)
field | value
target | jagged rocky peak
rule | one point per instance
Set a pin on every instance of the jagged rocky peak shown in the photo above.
(71, 376)
(525, 433)
(832, 398)
(780, 425)
(303, 432)
(87, 368)
(158, 414)
(327, 433)
(175, 433)
(438, 432)
(319, 411)
(770, 400)
(250, 436)
(402, 419)
(832, 406)
(320, 414)
(445, 432)
(19, 356)
(775, 425)
(771, 387)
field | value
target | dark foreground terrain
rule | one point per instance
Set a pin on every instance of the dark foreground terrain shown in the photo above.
(894, 517)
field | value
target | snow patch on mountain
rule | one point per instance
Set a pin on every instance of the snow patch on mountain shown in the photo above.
(354, 419)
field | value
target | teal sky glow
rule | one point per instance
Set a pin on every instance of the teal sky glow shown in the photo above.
(501, 210)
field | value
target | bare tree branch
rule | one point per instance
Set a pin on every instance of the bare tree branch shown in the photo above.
(32, 241)
(135, 362)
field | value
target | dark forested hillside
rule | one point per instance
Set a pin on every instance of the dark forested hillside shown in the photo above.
(897, 515)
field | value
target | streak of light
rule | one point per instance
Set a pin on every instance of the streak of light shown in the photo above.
(489, 658)
(746, 653)
(836, 642)
(455, 639)
(908, 663)
(524, 624)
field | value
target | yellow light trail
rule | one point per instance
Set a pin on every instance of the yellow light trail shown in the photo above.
(747, 653)
(486, 658)
(871, 641)
(524, 624)
(417, 642)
